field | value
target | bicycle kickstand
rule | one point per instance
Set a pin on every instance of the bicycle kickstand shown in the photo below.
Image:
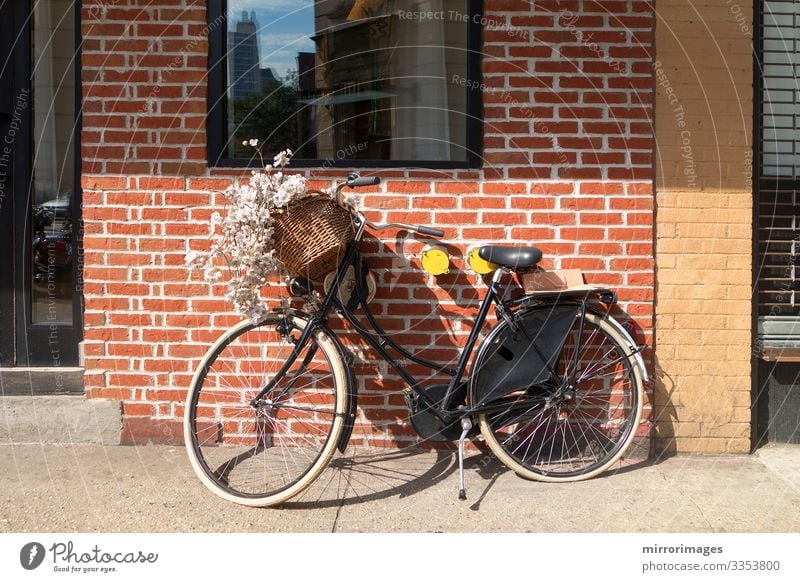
(466, 425)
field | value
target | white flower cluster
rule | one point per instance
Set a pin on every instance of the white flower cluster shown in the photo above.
(243, 238)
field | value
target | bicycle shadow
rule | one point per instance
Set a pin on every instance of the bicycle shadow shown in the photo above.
(491, 468)
(354, 479)
(363, 478)
(402, 473)
(429, 316)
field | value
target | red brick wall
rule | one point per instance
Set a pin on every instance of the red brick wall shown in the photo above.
(568, 166)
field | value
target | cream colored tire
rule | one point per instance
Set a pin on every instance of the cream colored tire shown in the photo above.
(510, 455)
(273, 453)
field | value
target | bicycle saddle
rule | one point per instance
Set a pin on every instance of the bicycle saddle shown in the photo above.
(517, 258)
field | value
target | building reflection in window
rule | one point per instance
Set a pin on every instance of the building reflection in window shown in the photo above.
(350, 79)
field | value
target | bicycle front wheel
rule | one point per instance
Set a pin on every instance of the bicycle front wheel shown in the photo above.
(571, 433)
(264, 452)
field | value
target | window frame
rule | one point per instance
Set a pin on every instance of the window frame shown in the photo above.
(775, 337)
(217, 115)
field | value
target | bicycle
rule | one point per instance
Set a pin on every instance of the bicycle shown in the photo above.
(556, 386)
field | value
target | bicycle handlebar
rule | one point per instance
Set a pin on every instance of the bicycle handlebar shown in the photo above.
(356, 181)
(426, 230)
(359, 181)
(430, 231)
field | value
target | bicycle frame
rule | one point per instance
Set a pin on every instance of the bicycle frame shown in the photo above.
(380, 341)
(520, 384)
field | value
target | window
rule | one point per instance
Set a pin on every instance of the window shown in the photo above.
(371, 82)
(778, 173)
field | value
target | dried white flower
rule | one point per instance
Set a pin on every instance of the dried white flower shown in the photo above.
(212, 274)
(282, 159)
(244, 237)
(191, 258)
(351, 201)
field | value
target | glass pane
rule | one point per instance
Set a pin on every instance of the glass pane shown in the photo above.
(349, 79)
(778, 147)
(53, 116)
(780, 103)
(773, 97)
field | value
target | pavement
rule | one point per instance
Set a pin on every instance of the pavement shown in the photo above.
(102, 488)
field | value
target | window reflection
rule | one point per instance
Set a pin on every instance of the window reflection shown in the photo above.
(53, 167)
(349, 79)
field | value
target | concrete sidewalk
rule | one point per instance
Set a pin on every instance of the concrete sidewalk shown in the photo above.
(88, 488)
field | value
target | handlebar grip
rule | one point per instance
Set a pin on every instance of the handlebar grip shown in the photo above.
(430, 231)
(368, 181)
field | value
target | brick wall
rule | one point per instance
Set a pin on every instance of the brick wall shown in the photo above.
(704, 216)
(568, 147)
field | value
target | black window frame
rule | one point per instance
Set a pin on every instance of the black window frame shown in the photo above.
(766, 189)
(216, 120)
(775, 351)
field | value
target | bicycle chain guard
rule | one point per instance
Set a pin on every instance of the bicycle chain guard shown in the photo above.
(429, 426)
(518, 359)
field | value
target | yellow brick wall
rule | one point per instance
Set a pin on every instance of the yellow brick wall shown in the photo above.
(704, 112)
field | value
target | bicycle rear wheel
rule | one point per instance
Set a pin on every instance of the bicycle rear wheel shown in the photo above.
(551, 432)
(261, 454)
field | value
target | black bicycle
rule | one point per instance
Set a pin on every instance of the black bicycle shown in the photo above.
(556, 386)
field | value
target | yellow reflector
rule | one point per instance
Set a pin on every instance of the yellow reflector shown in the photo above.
(479, 265)
(435, 260)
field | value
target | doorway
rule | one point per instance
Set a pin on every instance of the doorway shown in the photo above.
(40, 290)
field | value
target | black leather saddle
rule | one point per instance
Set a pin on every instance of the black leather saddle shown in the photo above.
(515, 258)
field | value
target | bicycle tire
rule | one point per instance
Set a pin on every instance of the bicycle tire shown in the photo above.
(561, 430)
(262, 456)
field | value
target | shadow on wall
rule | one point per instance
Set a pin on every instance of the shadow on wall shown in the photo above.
(665, 414)
(429, 316)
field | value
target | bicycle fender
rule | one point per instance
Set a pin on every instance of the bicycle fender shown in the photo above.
(628, 339)
(606, 296)
(351, 394)
(351, 405)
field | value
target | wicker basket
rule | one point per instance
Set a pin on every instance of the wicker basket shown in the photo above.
(311, 236)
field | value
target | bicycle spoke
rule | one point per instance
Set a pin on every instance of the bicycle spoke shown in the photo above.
(258, 451)
(586, 425)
